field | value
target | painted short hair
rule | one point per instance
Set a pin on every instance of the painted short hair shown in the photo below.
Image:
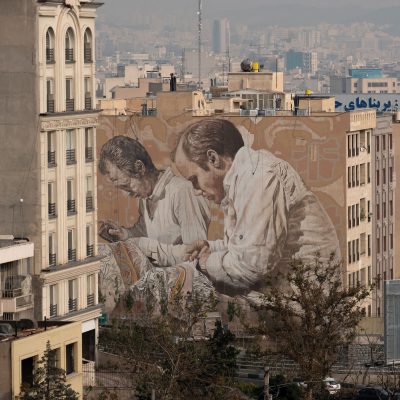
(219, 135)
(123, 152)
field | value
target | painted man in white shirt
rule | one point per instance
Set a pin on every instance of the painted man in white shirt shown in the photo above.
(171, 216)
(270, 217)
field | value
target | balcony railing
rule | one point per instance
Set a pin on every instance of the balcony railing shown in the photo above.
(90, 300)
(72, 305)
(71, 255)
(52, 210)
(69, 55)
(71, 206)
(53, 310)
(89, 203)
(50, 106)
(11, 293)
(24, 301)
(69, 104)
(89, 250)
(51, 158)
(52, 259)
(49, 56)
(89, 153)
(88, 103)
(88, 54)
(70, 156)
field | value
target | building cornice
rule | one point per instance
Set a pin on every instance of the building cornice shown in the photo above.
(62, 121)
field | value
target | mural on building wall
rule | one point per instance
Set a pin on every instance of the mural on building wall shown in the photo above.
(224, 214)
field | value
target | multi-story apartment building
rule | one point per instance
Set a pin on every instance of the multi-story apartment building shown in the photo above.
(364, 80)
(16, 268)
(48, 131)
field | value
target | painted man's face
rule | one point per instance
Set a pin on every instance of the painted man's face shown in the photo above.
(122, 180)
(208, 183)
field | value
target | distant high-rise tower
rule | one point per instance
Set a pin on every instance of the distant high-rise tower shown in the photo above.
(221, 36)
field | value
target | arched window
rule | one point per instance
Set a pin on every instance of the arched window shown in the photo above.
(49, 46)
(87, 45)
(69, 45)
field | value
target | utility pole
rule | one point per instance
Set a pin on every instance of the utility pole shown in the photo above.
(199, 41)
(183, 65)
(267, 396)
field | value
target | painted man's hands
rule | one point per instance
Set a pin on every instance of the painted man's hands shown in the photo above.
(112, 232)
(200, 249)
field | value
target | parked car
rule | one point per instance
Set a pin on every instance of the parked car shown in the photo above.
(331, 385)
(374, 393)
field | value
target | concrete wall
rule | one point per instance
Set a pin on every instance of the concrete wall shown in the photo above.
(19, 164)
(5, 371)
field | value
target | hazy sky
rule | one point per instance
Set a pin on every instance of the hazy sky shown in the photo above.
(279, 12)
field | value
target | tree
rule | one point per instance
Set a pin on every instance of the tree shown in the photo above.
(168, 359)
(311, 316)
(49, 381)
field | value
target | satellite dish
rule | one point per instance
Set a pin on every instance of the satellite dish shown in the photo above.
(246, 65)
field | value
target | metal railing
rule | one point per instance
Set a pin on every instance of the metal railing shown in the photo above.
(87, 54)
(71, 206)
(71, 255)
(72, 305)
(88, 103)
(53, 310)
(52, 259)
(70, 156)
(24, 300)
(50, 106)
(52, 209)
(49, 56)
(11, 293)
(51, 158)
(69, 55)
(90, 300)
(89, 153)
(89, 203)
(69, 104)
(89, 250)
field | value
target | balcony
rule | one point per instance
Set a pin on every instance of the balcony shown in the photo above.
(88, 54)
(89, 154)
(89, 203)
(51, 158)
(88, 103)
(90, 300)
(50, 56)
(69, 105)
(72, 305)
(71, 206)
(53, 310)
(14, 300)
(52, 260)
(70, 156)
(52, 210)
(71, 255)
(69, 55)
(89, 250)
(50, 106)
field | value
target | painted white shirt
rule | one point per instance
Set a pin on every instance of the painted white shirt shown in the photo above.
(173, 214)
(269, 218)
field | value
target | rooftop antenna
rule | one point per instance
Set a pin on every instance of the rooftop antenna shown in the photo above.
(199, 40)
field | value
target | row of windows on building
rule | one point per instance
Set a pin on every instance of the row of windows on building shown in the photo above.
(357, 142)
(358, 175)
(71, 250)
(71, 197)
(69, 46)
(360, 142)
(73, 293)
(69, 94)
(70, 145)
(360, 212)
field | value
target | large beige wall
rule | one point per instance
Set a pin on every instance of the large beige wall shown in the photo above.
(315, 147)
